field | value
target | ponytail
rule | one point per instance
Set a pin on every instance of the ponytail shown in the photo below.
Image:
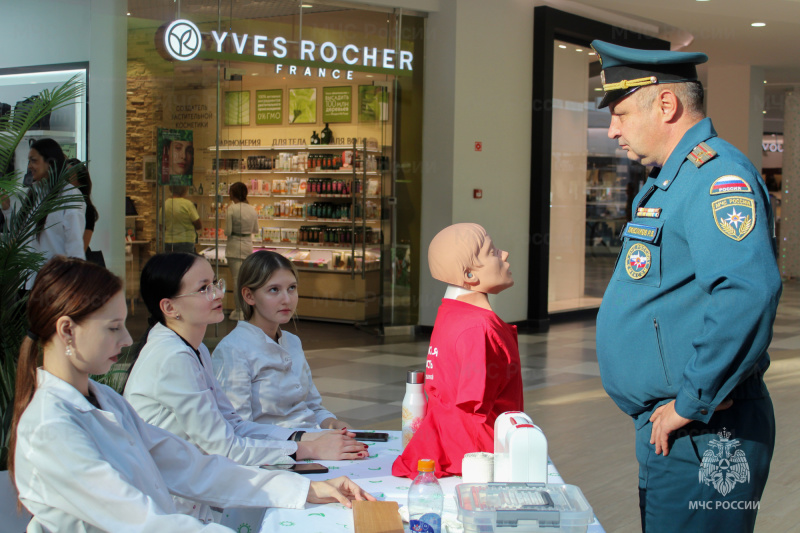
(24, 390)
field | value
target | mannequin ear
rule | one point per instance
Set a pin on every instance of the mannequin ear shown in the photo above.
(247, 294)
(168, 308)
(470, 279)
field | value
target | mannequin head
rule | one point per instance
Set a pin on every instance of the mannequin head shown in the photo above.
(464, 255)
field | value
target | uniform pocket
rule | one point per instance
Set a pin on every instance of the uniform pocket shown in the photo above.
(661, 354)
(640, 258)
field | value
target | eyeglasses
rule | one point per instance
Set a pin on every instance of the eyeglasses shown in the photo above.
(209, 290)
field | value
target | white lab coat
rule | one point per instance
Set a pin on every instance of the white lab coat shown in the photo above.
(62, 233)
(241, 219)
(84, 469)
(169, 388)
(268, 382)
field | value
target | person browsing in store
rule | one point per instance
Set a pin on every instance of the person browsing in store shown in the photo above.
(473, 372)
(241, 223)
(180, 221)
(80, 456)
(61, 232)
(261, 367)
(172, 384)
(83, 182)
(684, 325)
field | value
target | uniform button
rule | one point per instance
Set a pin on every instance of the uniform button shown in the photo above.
(703, 411)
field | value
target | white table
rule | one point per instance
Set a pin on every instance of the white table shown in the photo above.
(374, 475)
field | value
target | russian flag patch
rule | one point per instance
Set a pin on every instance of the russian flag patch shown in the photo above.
(729, 184)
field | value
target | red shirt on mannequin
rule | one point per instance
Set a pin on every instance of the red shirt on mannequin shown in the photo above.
(472, 375)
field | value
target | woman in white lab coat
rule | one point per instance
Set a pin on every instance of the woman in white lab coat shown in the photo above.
(261, 368)
(172, 384)
(241, 222)
(82, 460)
(61, 232)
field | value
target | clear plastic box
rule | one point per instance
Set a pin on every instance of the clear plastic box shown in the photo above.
(522, 508)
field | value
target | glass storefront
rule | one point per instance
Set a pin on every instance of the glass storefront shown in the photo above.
(592, 184)
(316, 109)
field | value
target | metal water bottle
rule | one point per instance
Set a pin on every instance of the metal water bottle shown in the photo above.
(414, 404)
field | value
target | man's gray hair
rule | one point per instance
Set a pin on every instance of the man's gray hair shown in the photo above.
(690, 94)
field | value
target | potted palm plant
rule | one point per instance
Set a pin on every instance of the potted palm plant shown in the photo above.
(17, 261)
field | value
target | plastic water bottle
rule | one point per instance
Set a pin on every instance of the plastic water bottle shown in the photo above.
(414, 404)
(425, 500)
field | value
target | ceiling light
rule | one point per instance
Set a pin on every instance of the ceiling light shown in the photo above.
(306, 6)
(562, 45)
(579, 49)
(764, 112)
(765, 81)
(758, 24)
(592, 54)
(598, 88)
(129, 14)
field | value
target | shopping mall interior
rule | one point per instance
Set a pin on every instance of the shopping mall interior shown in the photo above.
(361, 128)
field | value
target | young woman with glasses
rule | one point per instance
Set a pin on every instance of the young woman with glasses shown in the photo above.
(172, 383)
(81, 458)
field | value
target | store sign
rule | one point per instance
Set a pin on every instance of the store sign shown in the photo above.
(774, 146)
(183, 41)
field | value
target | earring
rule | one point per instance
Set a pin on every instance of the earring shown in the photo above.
(469, 274)
(68, 351)
(177, 317)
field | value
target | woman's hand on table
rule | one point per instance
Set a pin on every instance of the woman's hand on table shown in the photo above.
(334, 445)
(341, 489)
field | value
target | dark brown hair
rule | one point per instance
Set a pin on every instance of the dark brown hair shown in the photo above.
(238, 192)
(62, 288)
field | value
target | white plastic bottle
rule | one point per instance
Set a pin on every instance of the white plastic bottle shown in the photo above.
(414, 404)
(425, 500)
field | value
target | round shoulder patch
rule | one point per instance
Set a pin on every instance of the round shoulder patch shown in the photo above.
(728, 184)
(637, 262)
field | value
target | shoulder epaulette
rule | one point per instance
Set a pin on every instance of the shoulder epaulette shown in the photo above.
(700, 154)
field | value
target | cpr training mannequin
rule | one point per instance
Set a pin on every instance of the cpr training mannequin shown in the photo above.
(472, 373)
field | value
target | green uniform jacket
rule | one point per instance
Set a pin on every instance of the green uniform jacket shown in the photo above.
(688, 312)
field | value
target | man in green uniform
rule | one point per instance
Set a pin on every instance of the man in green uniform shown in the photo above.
(683, 330)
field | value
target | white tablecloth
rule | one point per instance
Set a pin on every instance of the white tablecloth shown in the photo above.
(374, 475)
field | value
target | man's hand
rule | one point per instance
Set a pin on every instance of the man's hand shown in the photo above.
(666, 420)
(340, 489)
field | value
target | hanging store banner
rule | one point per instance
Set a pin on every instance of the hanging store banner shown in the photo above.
(269, 107)
(337, 104)
(175, 151)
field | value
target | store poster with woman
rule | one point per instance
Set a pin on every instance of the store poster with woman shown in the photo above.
(175, 157)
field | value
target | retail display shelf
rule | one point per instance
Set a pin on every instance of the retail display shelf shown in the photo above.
(346, 172)
(325, 247)
(278, 148)
(309, 195)
(50, 133)
(303, 219)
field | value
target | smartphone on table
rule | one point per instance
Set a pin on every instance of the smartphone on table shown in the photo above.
(371, 436)
(299, 468)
